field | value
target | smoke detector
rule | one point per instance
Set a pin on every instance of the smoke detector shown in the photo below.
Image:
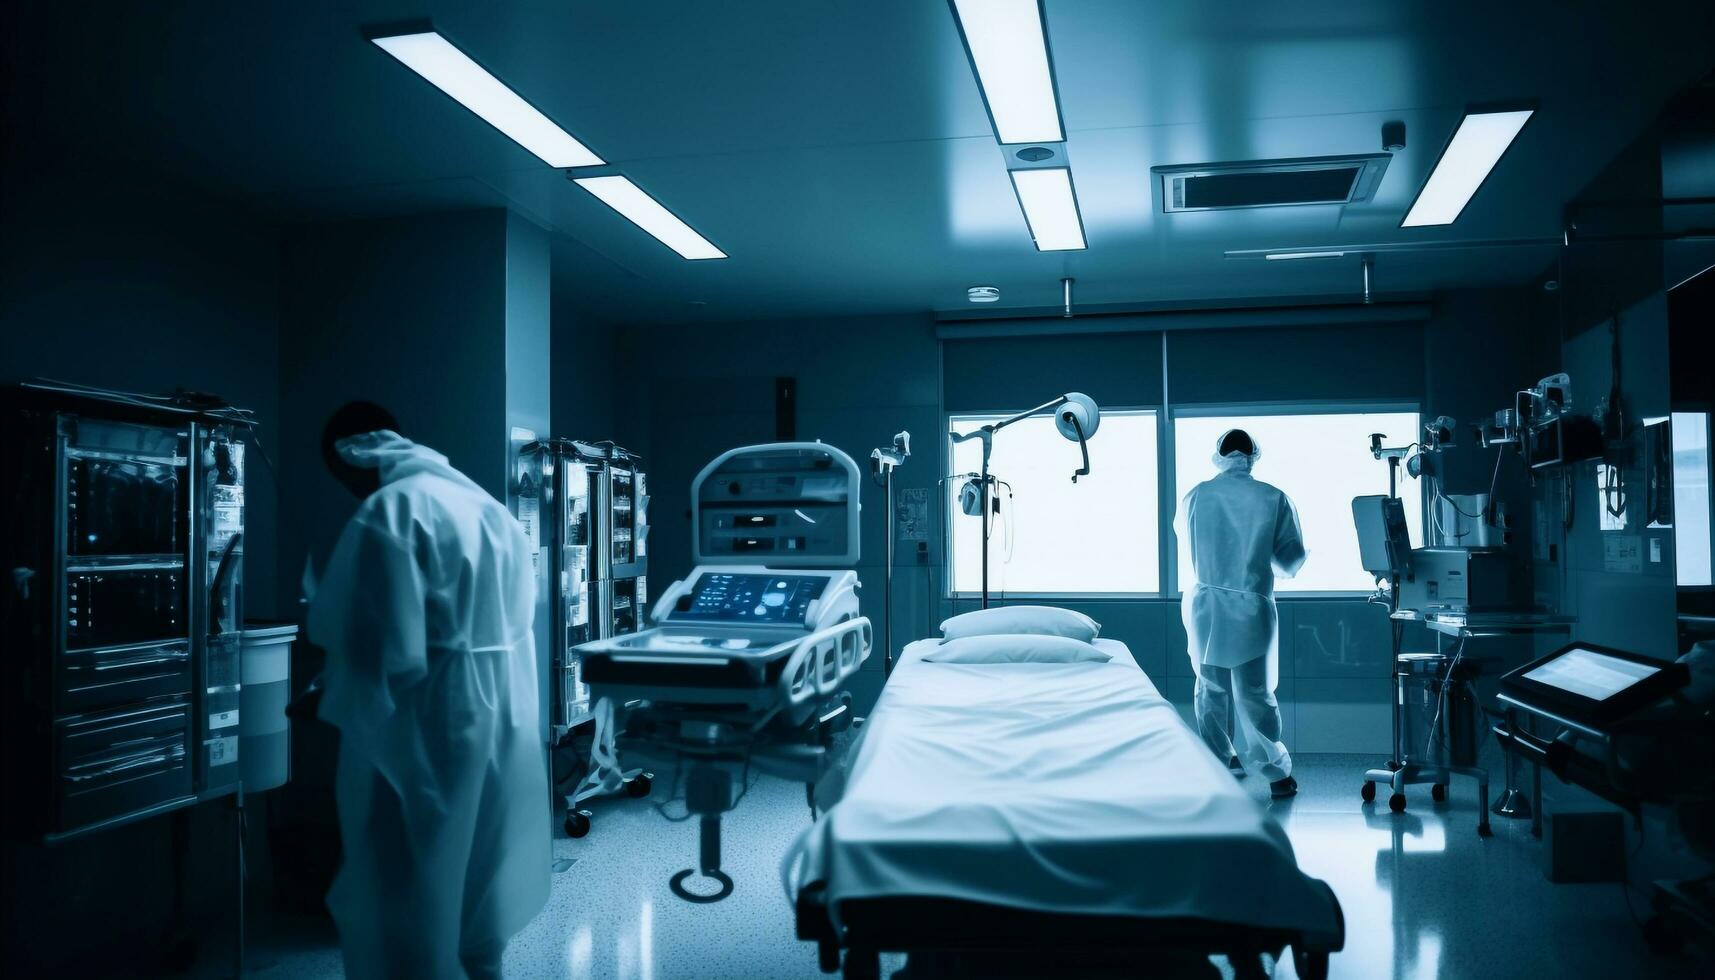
(983, 294)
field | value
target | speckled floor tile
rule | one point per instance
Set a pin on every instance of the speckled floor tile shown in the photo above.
(1423, 896)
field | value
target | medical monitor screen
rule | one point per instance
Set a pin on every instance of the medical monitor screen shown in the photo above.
(742, 598)
(1589, 674)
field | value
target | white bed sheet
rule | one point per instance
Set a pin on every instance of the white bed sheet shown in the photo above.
(1071, 788)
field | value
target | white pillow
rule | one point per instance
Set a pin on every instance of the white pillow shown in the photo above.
(1016, 648)
(1014, 620)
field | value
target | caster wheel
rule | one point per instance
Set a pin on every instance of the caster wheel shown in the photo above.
(639, 787)
(1369, 792)
(1661, 936)
(1396, 803)
(1311, 966)
(1438, 793)
(577, 823)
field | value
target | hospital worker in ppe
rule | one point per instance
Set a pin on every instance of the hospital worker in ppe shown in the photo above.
(1241, 532)
(425, 611)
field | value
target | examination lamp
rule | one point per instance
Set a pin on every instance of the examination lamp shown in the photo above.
(1075, 416)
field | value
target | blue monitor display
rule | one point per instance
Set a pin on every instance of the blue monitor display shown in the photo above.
(742, 598)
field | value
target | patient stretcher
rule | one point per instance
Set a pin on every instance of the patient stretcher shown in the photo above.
(1036, 807)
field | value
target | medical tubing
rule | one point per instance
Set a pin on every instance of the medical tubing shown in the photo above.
(605, 775)
(1441, 701)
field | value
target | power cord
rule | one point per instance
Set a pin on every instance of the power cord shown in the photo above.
(1441, 701)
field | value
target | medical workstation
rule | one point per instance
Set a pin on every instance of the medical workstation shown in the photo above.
(913, 488)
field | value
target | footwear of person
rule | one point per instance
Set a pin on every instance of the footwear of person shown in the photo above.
(1280, 789)
(1236, 767)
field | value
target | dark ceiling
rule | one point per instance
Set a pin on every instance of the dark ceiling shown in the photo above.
(839, 151)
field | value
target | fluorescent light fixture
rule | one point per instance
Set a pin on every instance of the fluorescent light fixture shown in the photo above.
(453, 72)
(1051, 207)
(1476, 147)
(1009, 47)
(1283, 256)
(620, 194)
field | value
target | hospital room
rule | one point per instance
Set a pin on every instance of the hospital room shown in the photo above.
(914, 489)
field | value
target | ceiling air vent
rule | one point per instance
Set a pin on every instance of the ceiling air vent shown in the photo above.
(1270, 183)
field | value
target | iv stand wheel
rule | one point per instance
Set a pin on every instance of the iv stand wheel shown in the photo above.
(577, 823)
(1368, 792)
(1438, 793)
(862, 964)
(1311, 965)
(1396, 802)
(638, 786)
(677, 884)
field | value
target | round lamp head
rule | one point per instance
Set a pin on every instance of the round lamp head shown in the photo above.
(1082, 408)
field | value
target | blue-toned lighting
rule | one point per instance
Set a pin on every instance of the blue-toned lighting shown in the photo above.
(1475, 149)
(1009, 47)
(453, 72)
(620, 194)
(1051, 208)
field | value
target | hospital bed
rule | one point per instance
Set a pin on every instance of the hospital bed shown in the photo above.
(1043, 807)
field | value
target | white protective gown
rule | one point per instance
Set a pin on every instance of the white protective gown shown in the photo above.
(1241, 531)
(425, 611)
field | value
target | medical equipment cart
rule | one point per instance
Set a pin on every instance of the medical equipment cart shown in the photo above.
(123, 533)
(1417, 674)
(750, 654)
(593, 505)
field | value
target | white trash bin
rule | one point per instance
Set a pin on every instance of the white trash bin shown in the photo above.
(264, 732)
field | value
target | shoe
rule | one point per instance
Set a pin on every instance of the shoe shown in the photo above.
(1280, 789)
(1236, 767)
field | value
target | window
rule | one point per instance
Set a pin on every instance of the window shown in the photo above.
(1321, 461)
(1098, 535)
(1691, 544)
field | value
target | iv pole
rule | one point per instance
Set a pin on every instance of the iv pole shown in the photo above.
(1077, 421)
(882, 463)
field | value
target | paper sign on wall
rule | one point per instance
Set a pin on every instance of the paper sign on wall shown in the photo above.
(529, 515)
(1622, 553)
(911, 514)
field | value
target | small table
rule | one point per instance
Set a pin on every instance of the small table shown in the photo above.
(1511, 802)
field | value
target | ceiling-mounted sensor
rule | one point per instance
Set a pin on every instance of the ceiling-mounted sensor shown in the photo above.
(1393, 136)
(1034, 154)
(983, 294)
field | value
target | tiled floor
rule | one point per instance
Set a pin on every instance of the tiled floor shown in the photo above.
(1423, 897)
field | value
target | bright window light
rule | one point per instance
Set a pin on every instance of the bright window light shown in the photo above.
(620, 194)
(1051, 208)
(1321, 462)
(453, 72)
(1054, 536)
(1476, 147)
(1009, 47)
(1691, 544)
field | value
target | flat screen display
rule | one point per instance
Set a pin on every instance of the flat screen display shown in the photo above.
(745, 598)
(1589, 674)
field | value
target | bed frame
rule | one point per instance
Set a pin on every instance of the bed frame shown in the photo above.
(925, 927)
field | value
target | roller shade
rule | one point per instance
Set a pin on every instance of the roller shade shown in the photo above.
(1354, 362)
(1117, 369)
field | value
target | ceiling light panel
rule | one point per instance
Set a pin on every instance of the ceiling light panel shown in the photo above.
(453, 72)
(1477, 145)
(1051, 207)
(1008, 44)
(620, 194)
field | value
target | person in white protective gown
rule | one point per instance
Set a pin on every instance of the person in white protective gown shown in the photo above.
(1241, 531)
(425, 611)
